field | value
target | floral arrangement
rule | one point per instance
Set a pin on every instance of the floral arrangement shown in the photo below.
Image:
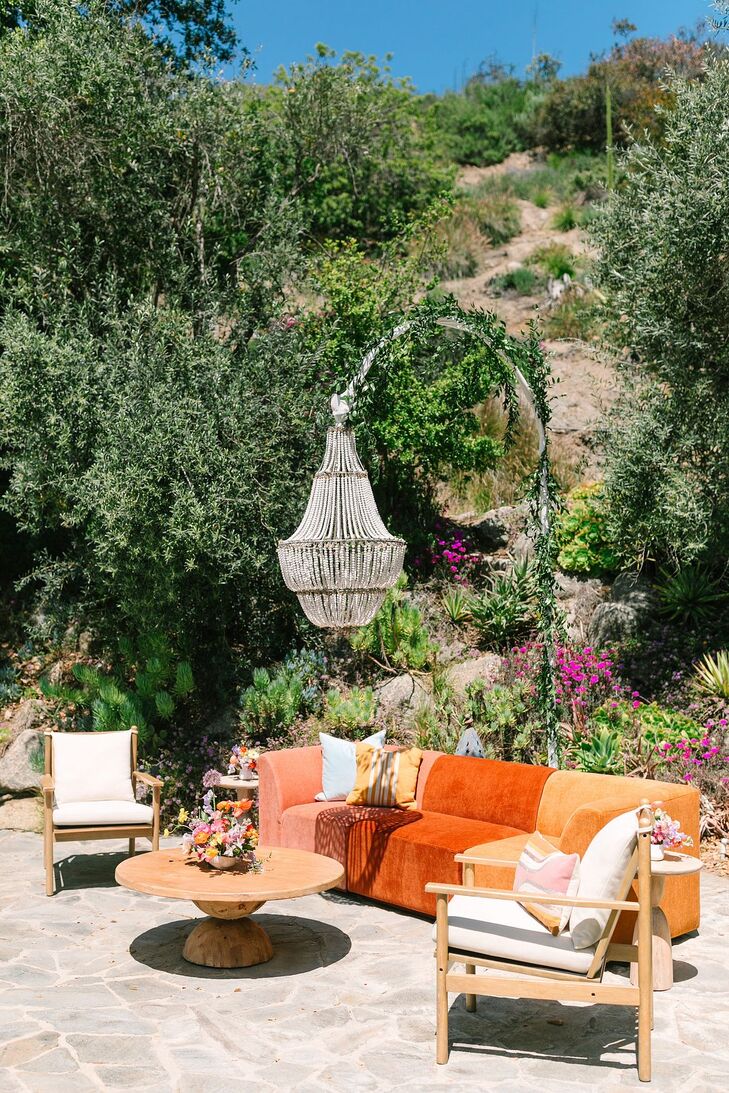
(220, 829)
(242, 758)
(667, 833)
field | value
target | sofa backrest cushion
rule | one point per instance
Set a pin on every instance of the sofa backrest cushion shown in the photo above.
(485, 789)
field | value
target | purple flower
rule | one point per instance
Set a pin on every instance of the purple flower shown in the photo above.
(211, 778)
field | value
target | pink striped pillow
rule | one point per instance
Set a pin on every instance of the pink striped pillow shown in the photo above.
(543, 870)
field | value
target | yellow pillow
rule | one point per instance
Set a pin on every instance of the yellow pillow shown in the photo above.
(385, 778)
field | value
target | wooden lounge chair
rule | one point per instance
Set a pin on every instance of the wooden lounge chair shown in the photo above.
(89, 792)
(488, 928)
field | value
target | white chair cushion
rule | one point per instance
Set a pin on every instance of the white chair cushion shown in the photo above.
(503, 930)
(101, 813)
(94, 766)
(602, 872)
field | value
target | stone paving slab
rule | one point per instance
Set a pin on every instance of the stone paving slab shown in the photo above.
(94, 994)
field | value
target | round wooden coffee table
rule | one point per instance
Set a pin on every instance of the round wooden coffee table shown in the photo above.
(673, 864)
(228, 938)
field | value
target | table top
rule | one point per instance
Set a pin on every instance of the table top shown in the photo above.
(232, 781)
(286, 874)
(674, 864)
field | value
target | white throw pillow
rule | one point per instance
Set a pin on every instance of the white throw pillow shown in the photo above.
(602, 871)
(339, 764)
(94, 766)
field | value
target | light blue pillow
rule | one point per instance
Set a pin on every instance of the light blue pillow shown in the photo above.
(339, 764)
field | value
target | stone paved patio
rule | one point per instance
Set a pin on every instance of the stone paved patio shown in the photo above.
(94, 994)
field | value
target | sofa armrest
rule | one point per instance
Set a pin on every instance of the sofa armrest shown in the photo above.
(477, 859)
(47, 786)
(288, 777)
(147, 779)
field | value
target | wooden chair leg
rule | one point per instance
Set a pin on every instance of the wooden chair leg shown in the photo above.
(469, 879)
(132, 846)
(155, 818)
(441, 991)
(48, 851)
(645, 957)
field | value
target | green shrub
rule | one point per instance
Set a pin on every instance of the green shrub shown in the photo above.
(503, 716)
(691, 596)
(145, 690)
(351, 714)
(521, 280)
(397, 636)
(582, 533)
(10, 689)
(506, 611)
(497, 217)
(555, 259)
(662, 242)
(542, 199)
(566, 218)
(275, 699)
(571, 114)
(480, 125)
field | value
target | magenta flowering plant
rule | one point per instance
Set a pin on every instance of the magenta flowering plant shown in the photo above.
(450, 556)
(667, 832)
(694, 758)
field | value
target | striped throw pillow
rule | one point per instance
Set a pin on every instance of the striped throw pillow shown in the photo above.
(546, 871)
(385, 778)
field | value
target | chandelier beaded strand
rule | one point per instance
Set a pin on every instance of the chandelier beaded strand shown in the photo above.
(341, 559)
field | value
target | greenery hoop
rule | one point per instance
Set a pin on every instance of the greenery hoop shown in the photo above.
(521, 367)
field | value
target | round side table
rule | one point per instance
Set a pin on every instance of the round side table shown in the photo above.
(672, 864)
(244, 787)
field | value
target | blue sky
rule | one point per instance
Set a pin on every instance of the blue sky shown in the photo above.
(439, 42)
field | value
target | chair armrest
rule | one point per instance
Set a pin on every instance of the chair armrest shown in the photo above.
(521, 897)
(47, 785)
(147, 779)
(474, 859)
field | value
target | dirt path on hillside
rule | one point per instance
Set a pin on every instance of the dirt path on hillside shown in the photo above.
(586, 383)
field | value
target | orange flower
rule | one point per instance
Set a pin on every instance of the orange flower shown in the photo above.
(201, 837)
(225, 806)
(242, 806)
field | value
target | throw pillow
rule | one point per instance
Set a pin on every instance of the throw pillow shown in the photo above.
(339, 764)
(385, 778)
(543, 870)
(602, 876)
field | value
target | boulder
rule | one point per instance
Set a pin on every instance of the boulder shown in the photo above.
(21, 814)
(499, 528)
(485, 668)
(632, 602)
(401, 694)
(579, 598)
(17, 775)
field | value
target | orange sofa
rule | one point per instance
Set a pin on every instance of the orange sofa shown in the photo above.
(462, 804)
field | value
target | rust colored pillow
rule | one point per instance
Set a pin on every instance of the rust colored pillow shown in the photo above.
(385, 778)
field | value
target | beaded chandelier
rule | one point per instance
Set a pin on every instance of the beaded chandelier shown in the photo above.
(341, 559)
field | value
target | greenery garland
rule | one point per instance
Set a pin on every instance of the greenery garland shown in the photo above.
(516, 362)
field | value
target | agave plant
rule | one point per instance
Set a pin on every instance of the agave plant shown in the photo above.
(712, 674)
(506, 611)
(456, 606)
(690, 596)
(599, 753)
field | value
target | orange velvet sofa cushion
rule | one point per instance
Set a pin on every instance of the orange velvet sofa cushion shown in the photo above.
(507, 794)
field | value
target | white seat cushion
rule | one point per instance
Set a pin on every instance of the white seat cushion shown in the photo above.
(503, 930)
(101, 813)
(93, 766)
(602, 876)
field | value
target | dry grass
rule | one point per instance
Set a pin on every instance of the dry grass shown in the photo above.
(504, 485)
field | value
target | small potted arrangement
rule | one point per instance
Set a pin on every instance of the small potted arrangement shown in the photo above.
(667, 835)
(243, 762)
(219, 834)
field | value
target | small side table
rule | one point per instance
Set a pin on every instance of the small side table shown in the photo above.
(244, 787)
(672, 865)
